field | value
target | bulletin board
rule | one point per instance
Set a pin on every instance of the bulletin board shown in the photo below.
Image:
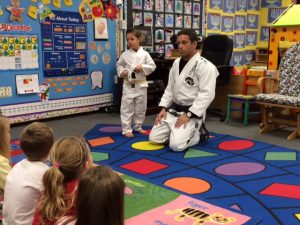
(64, 44)
(167, 17)
(86, 89)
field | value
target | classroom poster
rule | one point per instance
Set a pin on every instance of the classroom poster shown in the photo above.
(27, 84)
(64, 44)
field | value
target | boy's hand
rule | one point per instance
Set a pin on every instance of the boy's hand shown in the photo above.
(124, 74)
(138, 68)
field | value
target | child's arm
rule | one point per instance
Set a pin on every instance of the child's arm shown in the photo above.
(149, 66)
(89, 161)
(122, 71)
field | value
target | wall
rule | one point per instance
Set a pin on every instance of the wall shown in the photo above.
(246, 21)
(68, 93)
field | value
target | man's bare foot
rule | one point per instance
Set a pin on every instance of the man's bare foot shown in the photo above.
(129, 135)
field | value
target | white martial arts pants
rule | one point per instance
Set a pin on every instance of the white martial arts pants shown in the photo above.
(179, 138)
(133, 107)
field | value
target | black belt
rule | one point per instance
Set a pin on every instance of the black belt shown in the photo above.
(175, 108)
(179, 108)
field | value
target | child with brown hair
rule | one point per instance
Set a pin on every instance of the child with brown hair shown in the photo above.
(100, 198)
(70, 156)
(133, 66)
(24, 182)
(4, 150)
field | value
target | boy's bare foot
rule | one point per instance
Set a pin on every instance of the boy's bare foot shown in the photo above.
(129, 135)
(141, 131)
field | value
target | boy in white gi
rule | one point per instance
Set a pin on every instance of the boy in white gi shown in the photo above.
(190, 90)
(134, 65)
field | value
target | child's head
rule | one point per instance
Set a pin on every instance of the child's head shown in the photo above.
(4, 136)
(100, 197)
(68, 156)
(134, 38)
(36, 141)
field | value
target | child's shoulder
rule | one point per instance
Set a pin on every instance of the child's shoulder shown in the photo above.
(29, 166)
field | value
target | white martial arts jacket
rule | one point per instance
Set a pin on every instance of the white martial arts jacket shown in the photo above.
(130, 59)
(194, 86)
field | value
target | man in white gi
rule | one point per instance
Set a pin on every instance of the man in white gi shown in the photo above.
(190, 90)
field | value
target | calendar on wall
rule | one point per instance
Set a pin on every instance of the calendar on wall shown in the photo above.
(18, 52)
(166, 17)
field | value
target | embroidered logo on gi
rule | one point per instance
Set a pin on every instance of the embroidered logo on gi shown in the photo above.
(200, 217)
(189, 81)
(192, 71)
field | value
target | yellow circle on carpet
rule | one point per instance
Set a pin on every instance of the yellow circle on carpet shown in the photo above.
(147, 146)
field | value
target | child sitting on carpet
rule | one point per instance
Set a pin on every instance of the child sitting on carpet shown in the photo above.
(100, 198)
(134, 65)
(70, 156)
(4, 151)
(24, 181)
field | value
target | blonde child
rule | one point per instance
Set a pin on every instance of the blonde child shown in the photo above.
(24, 181)
(100, 198)
(70, 156)
(134, 65)
(4, 150)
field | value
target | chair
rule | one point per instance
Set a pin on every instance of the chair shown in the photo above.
(249, 79)
(282, 109)
(218, 50)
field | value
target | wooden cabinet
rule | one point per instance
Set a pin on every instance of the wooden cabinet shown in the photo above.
(261, 57)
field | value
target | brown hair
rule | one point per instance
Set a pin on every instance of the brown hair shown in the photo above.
(36, 141)
(136, 33)
(191, 33)
(68, 157)
(100, 197)
(4, 144)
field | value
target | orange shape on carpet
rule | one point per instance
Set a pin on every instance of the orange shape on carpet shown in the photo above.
(101, 141)
(189, 185)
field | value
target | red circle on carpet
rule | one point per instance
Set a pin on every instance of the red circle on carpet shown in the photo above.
(235, 145)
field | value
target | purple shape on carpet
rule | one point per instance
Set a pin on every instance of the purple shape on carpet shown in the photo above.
(114, 129)
(240, 168)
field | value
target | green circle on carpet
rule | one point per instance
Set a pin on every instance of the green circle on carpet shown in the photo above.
(147, 146)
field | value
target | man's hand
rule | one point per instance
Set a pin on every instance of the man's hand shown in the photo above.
(182, 120)
(138, 68)
(162, 115)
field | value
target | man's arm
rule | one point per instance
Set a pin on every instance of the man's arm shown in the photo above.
(208, 74)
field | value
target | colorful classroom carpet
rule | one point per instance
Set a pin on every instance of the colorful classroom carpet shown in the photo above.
(228, 180)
